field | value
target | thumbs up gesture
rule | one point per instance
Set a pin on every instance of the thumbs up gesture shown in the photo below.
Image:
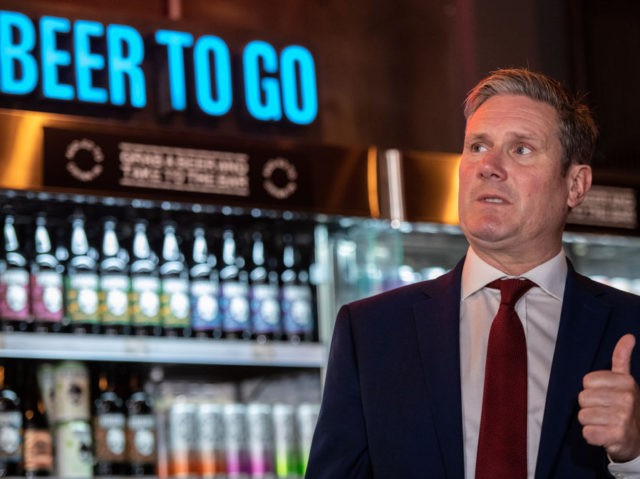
(610, 406)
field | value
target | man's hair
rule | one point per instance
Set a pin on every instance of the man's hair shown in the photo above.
(577, 129)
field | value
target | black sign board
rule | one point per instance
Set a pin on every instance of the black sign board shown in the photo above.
(250, 173)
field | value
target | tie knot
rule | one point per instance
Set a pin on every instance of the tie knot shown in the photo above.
(511, 289)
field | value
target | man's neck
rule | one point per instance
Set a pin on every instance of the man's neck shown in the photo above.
(513, 265)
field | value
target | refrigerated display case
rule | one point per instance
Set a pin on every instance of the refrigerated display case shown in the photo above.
(78, 179)
(187, 366)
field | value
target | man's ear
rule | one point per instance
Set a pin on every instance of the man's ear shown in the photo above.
(579, 179)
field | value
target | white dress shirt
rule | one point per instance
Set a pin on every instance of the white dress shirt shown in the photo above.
(539, 310)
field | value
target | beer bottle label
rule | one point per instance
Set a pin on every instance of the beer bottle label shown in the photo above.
(11, 434)
(235, 306)
(82, 298)
(38, 450)
(114, 299)
(265, 308)
(174, 303)
(145, 301)
(297, 309)
(205, 310)
(141, 438)
(14, 295)
(109, 437)
(46, 296)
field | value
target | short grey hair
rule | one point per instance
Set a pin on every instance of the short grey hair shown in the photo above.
(577, 129)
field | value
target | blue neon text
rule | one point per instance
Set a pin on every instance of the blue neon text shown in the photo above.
(113, 65)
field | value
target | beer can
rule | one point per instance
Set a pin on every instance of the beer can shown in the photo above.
(46, 384)
(182, 439)
(211, 441)
(73, 446)
(307, 416)
(237, 449)
(71, 392)
(286, 452)
(260, 435)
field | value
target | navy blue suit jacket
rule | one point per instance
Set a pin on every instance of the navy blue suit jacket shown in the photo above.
(392, 404)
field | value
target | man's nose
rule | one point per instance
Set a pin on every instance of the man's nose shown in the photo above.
(492, 165)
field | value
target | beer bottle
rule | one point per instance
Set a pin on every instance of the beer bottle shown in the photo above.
(263, 293)
(206, 320)
(113, 292)
(109, 422)
(14, 279)
(82, 281)
(38, 444)
(296, 296)
(47, 293)
(10, 422)
(145, 284)
(140, 430)
(234, 290)
(174, 280)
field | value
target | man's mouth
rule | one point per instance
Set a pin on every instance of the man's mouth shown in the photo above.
(492, 199)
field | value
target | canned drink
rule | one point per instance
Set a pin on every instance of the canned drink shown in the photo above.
(307, 416)
(71, 392)
(285, 441)
(235, 417)
(211, 441)
(260, 432)
(46, 384)
(182, 438)
(73, 448)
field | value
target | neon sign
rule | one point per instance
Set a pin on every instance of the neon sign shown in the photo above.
(89, 62)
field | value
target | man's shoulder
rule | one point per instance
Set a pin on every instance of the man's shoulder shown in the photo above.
(410, 294)
(607, 292)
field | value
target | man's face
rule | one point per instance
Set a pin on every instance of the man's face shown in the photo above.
(513, 198)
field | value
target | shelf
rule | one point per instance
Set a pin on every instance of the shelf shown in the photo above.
(51, 346)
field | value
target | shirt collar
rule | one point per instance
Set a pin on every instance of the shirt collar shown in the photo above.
(550, 275)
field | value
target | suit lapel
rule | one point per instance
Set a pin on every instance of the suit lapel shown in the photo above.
(582, 324)
(437, 325)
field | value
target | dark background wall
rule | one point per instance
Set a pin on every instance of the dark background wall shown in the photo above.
(395, 73)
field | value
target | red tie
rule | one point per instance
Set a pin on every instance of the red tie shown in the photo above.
(502, 443)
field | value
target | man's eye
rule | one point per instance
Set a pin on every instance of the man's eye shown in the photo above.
(523, 150)
(478, 148)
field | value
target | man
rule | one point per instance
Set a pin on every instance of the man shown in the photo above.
(406, 375)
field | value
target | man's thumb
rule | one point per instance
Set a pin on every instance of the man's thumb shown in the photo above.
(621, 358)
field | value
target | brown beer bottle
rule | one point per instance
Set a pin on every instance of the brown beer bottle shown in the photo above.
(38, 445)
(109, 422)
(10, 422)
(140, 430)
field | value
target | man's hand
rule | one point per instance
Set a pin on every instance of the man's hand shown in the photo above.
(610, 406)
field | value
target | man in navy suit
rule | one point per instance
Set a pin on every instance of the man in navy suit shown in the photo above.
(404, 384)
